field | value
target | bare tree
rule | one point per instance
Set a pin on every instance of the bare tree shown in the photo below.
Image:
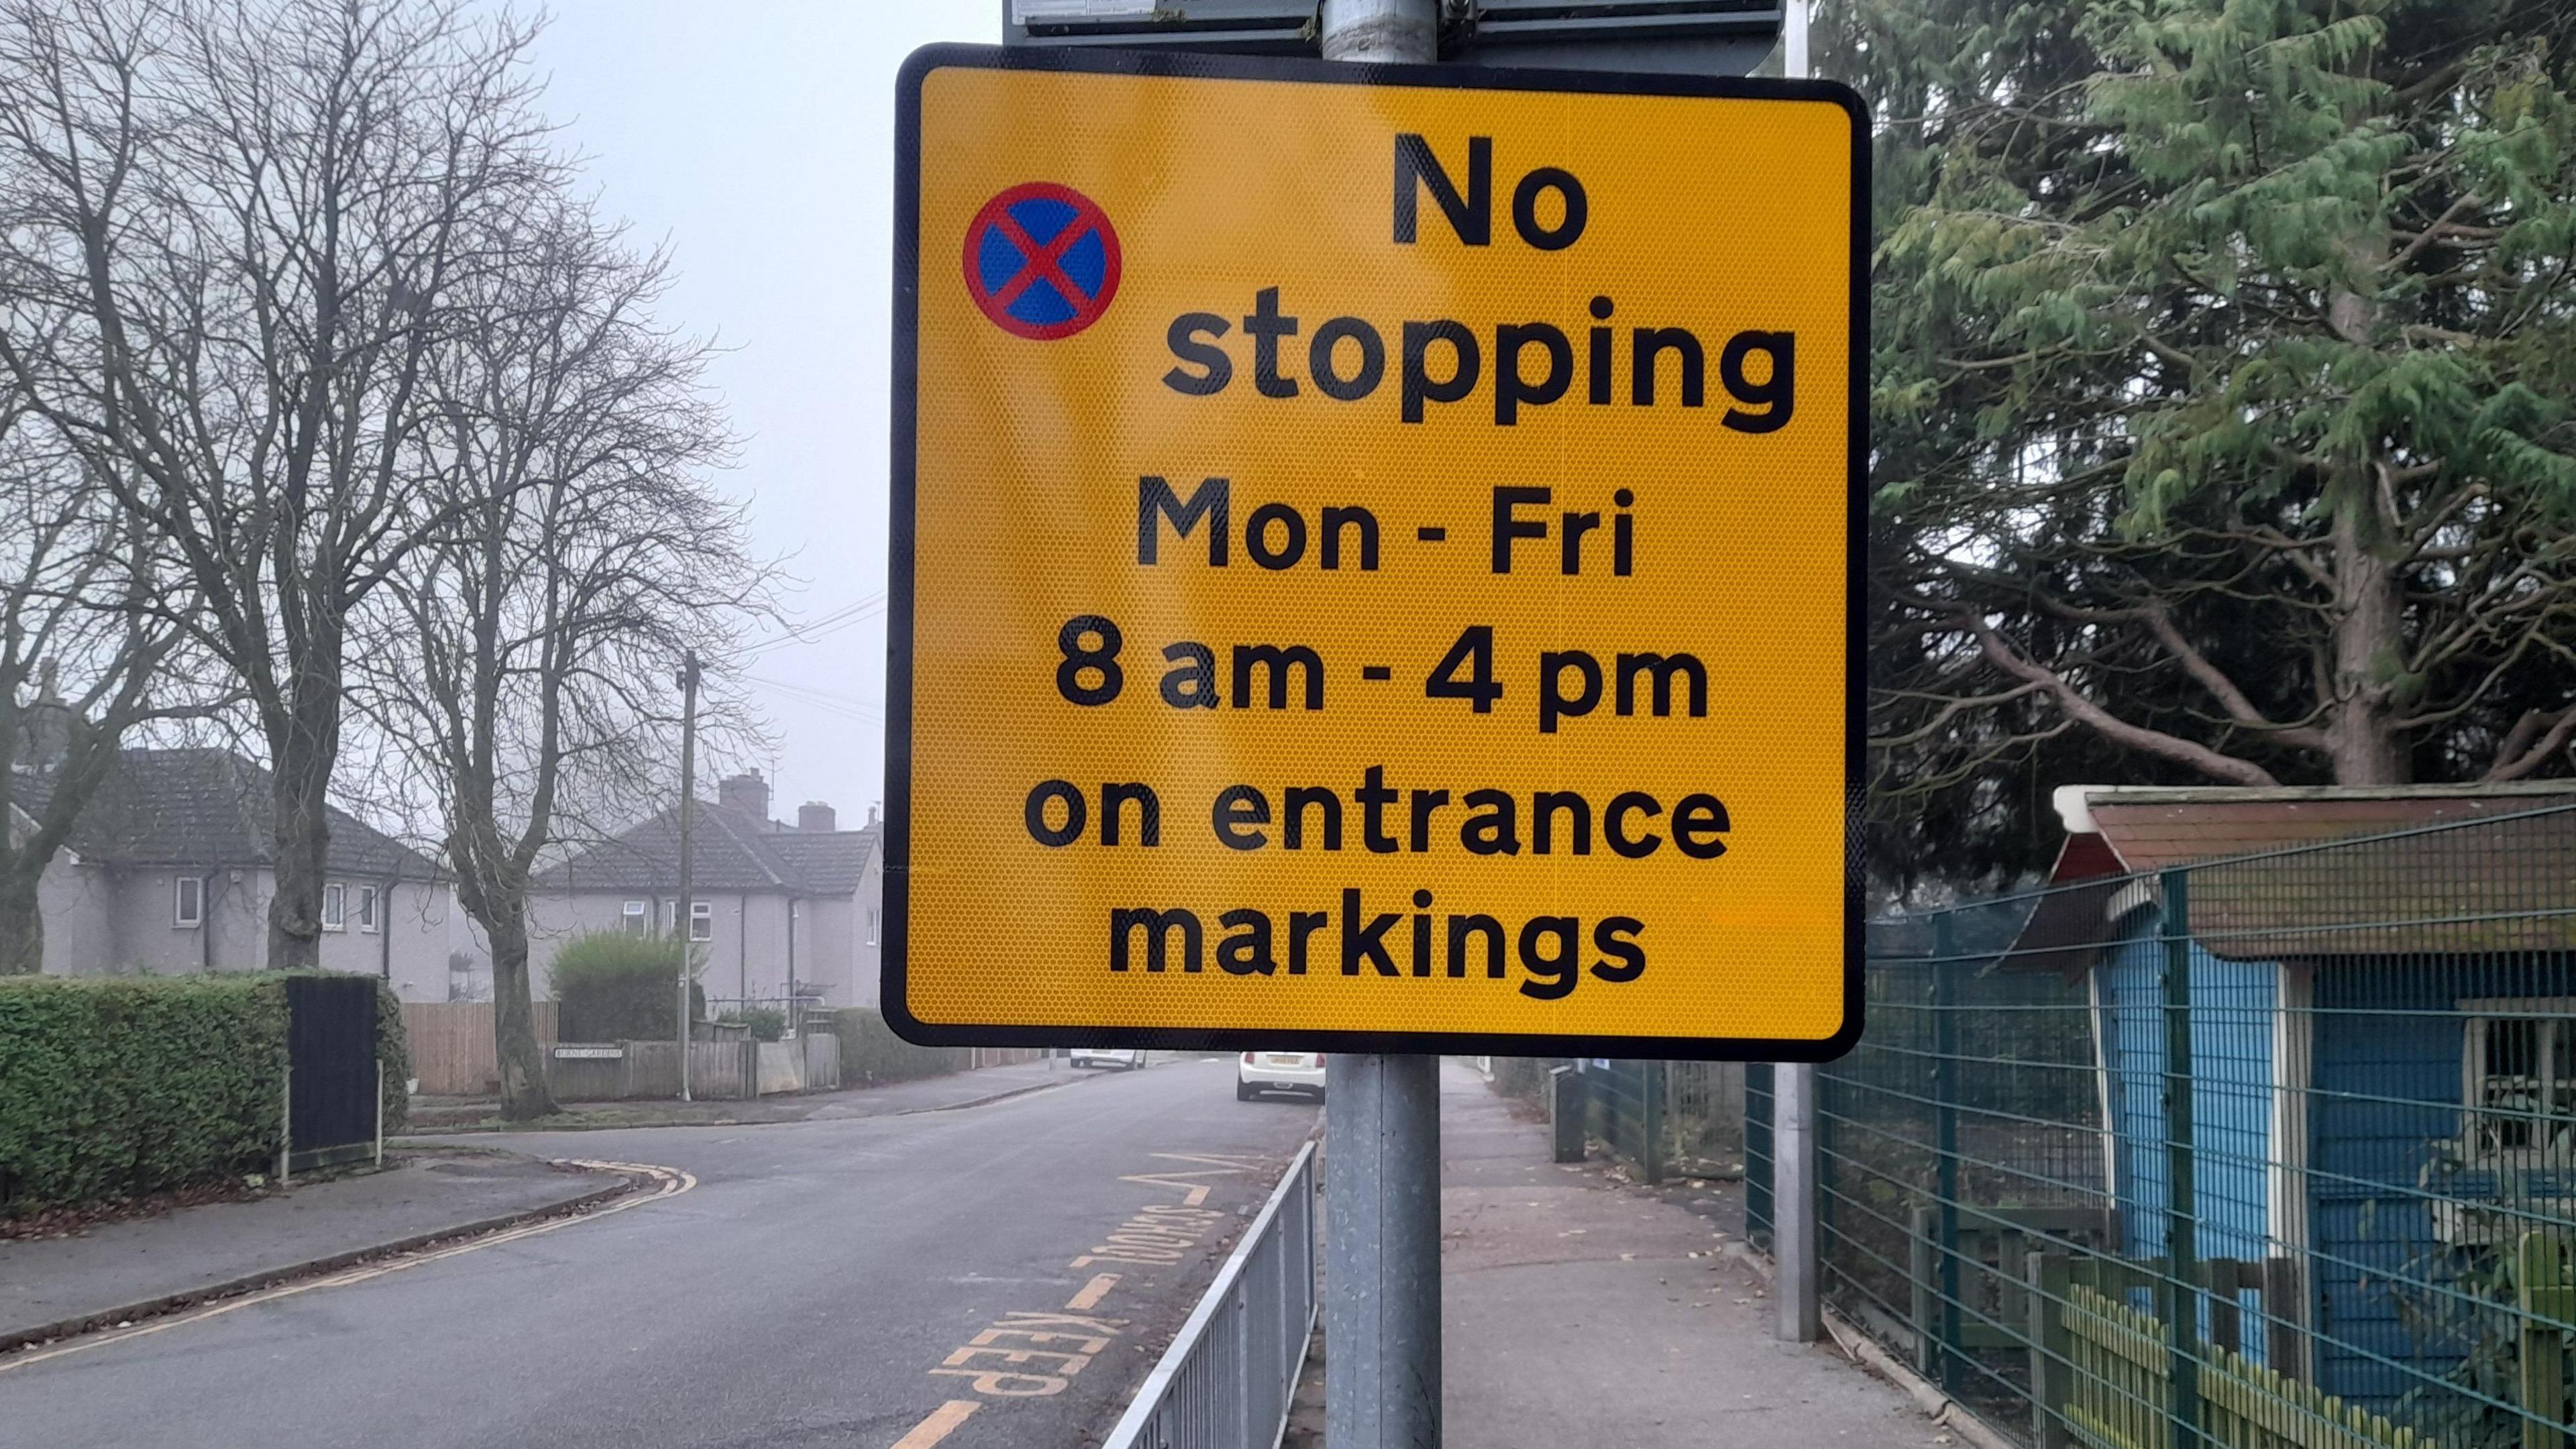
(80, 611)
(583, 553)
(243, 230)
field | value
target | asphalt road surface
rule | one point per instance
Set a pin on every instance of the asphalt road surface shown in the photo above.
(911, 1280)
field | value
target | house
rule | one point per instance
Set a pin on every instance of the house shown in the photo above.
(172, 864)
(779, 911)
(2381, 1014)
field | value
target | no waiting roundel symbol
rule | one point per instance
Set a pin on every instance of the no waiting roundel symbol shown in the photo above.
(1042, 260)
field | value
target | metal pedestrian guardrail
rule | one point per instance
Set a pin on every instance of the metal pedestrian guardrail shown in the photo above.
(1226, 1381)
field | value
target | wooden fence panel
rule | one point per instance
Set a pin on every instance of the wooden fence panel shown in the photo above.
(2547, 1301)
(2120, 1394)
(1002, 1056)
(451, 1045)
(822, 1061)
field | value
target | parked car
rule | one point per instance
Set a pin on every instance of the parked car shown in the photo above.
(1125, 1059)
(1260, 1072)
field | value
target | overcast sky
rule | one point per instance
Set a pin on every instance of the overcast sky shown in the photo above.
(756, 137)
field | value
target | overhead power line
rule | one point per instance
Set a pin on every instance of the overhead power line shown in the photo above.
(831, 623)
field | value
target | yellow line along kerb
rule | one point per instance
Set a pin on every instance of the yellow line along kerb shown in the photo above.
(669, 1182)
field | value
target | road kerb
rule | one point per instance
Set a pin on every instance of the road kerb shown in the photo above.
(499, 1128)
(167, 1303)
(987, 1101)
(1864, 1351)
(495, 1126)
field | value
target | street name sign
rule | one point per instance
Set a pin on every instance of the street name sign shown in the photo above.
(1376, 557)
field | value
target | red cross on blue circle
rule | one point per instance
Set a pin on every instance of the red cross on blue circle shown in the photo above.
(1042, 260)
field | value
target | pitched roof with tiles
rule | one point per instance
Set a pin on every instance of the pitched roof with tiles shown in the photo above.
(730, 851)
(206, 808)
(829, 863)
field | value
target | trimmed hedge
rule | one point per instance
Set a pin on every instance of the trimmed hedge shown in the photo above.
(111, 1087)
(393, 1048)
(765, 1023)
(871, 1052)
(609, 986)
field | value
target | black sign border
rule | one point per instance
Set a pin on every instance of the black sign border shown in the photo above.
(897, 838)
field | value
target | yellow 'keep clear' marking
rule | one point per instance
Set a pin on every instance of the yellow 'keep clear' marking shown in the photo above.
(1092, 1292)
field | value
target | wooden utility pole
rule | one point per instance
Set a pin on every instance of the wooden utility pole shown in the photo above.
(685, 915)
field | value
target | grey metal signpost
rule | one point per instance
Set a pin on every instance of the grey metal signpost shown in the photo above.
(1381, 1113)
(1793, 1199)
(1793, 1096)
(1685, 37)
(1390, 32)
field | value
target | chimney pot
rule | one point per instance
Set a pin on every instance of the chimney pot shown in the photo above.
(816, 818)
(45, 738)
(745, 794)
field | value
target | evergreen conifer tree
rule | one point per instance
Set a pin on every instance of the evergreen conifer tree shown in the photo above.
(2224, 398)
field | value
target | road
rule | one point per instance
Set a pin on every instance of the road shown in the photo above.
(809, 1289)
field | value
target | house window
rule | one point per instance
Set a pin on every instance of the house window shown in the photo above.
(367, 909)
(670, 918)
(335, 908)
(635, 919)
(702, 923)
(2519, 1082)
(187, 901)
(874, 916)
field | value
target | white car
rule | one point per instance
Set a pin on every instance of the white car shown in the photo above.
(1125, 1059)
(1259, 1072)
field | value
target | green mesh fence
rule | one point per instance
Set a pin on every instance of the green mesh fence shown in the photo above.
(2277, 1150)
(1669, 1119)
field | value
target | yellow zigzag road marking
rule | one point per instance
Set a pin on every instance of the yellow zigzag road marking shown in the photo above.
(671, 1183)
(1197, 1192)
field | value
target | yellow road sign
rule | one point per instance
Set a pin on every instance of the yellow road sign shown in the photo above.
(1376, 557)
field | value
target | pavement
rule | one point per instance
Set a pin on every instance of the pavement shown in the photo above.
(52, 1287)
(1581, 1310)
(983, 1278)
(433, 1116)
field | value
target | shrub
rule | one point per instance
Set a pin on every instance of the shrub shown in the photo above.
(393, 1048)
(767, 1023)
(609, 986)
(871, 1052)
